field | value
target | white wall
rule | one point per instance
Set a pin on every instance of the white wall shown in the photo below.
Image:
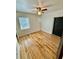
(44, 22)
(47, 20)
(34, 23)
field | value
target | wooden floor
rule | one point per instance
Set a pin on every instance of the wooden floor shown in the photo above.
(39, 45)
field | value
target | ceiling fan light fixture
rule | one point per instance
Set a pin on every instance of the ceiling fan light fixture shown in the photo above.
(39, 13)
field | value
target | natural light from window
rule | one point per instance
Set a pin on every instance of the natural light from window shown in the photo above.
(24, 23)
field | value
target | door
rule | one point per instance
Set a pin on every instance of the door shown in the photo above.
(58, 26)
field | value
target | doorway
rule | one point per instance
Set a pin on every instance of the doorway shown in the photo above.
(58, 26)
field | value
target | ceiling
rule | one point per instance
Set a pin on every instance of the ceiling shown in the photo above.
(27, 5)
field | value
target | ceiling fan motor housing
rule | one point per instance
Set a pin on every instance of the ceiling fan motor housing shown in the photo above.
(38, 8)
(41, 9)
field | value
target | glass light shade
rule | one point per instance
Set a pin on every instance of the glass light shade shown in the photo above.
(39, 13)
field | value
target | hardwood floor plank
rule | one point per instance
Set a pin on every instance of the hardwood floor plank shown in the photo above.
(39, 45)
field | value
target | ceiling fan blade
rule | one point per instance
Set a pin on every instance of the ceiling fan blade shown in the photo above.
(34, 9)
(50, 5)
(40, 2)
(44, 9)
(43, 6)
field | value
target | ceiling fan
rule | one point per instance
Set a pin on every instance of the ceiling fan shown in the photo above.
(40, 7)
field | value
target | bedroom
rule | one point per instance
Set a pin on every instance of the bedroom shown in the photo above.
(39, 27)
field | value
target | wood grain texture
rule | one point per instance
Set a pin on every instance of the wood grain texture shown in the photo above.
(39, 45)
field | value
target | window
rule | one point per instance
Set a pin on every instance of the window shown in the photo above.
(24, 23)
